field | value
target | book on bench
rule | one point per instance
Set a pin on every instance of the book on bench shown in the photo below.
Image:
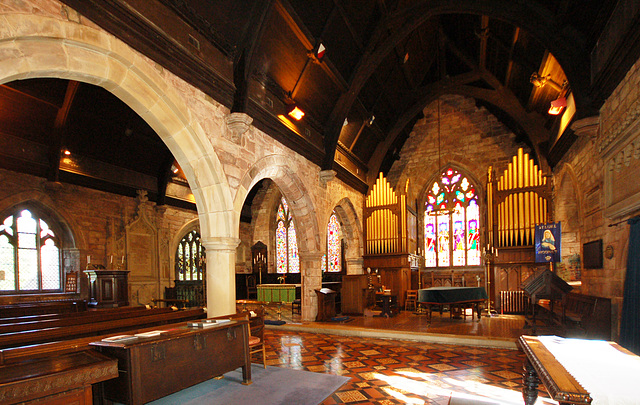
(207, 323)
(120, 338)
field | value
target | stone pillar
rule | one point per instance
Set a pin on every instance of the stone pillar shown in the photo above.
(311, 277)
(221, 275)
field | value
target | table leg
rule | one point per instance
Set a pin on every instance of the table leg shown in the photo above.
(530, 383)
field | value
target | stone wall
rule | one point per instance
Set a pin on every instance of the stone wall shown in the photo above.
(604, 163)
(97, 223)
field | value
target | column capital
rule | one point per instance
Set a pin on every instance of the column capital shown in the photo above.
(220, 244)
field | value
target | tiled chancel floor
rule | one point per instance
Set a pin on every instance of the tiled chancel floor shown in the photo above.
(404, 370)
(386, 371)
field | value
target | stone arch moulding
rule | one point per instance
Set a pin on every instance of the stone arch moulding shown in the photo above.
(73, 236)
(352, 230)
(48, 47)
(278, 169)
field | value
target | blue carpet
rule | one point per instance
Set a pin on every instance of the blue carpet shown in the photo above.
(271, 386)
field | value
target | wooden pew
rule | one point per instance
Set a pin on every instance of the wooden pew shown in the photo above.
(79, 318)
(45, 335)
(42, 307)
(580, 315)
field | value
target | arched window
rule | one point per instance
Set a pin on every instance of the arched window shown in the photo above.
(190, 257)
(332, 261)
(287, 259)
(30, 254)
(452, 222)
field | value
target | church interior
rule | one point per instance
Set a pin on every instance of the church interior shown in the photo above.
(435, 178)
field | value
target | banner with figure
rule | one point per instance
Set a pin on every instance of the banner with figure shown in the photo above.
(547, 242)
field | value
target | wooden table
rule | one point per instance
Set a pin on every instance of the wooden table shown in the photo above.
(388, 301)
(457, 298)
(151, 368)
(543, 366)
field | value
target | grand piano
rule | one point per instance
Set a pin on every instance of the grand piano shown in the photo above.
(457, 298)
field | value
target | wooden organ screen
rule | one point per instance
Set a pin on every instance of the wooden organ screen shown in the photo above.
(386, 216)
(518, 202)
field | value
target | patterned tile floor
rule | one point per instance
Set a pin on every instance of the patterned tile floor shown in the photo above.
(401, 372)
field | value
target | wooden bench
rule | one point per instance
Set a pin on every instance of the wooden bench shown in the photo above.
(581, 315)
(77, 318)
(44, 335)
(42, 307)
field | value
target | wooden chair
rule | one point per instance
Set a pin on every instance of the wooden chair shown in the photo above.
(256, 334)
(252, 289)
(296, 306)
(411, 300)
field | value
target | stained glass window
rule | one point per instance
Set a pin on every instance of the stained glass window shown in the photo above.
(287, 258)
(334, 248)
(190, 258)
(452, 222)
(30, 255)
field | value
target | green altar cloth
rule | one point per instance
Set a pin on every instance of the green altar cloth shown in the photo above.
(447, 295)
(276, 292)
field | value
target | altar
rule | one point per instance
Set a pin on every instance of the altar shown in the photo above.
(276, 292)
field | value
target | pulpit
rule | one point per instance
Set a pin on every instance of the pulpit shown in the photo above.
(108, 288)
(326, 304)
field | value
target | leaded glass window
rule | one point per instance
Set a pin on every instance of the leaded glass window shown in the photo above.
(287, 258)
(190, 258)
(30, 254)
(334, 248)
(452, 222)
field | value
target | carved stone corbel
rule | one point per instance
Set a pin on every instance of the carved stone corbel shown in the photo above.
(238, 124)
(326, 176)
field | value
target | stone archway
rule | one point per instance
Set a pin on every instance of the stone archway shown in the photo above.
(278, 169)
(35, 46)
(352, 230)
(567, 210)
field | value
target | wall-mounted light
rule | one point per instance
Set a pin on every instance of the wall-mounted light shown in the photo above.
(537, 80)
(66, 152)
(295, 112)
(174, 169)
(557, 105)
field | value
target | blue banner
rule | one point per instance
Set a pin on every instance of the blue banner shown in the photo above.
(547, 242)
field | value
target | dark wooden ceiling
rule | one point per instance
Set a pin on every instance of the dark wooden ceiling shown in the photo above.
(385, 59)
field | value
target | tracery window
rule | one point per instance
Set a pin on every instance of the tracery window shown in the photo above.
(287, 259)
(30, 254)
(452, 222)
(332, 260)
(190, 258)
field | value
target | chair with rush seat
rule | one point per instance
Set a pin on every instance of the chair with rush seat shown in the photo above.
(411, 301)
(256, 334)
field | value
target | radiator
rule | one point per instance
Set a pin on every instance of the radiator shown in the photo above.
(513, 302)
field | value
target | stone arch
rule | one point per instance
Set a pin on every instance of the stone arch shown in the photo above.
(71, 232)
(34, 46)
(352, 231)
(278, 169)
(38, 46)
(568, 210)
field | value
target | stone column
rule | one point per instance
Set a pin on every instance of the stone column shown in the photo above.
(221, 275)
(311, 268)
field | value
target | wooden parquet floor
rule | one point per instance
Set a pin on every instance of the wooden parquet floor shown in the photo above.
(405, 370)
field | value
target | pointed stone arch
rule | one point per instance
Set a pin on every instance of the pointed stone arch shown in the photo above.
(352, 232)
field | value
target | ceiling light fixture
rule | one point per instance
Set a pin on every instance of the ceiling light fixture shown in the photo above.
(67, 152)
(558, 105)
(174, 169)
(295, 112)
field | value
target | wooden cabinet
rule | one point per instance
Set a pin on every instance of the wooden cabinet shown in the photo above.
(354, 294)
(108, 288)
(154, 367)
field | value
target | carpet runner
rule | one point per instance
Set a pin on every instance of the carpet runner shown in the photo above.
(271, 386)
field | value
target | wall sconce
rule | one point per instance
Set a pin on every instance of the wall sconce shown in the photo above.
(174, 169)
(557, 105)
(295, 112)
